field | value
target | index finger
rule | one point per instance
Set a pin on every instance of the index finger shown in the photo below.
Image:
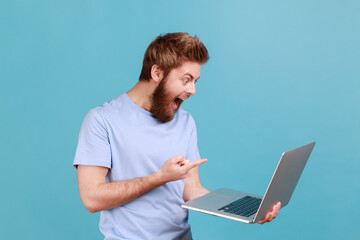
(196, 163)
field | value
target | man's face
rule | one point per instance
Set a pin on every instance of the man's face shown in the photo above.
(176, 87)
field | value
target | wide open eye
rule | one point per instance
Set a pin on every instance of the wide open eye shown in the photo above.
(186, 80)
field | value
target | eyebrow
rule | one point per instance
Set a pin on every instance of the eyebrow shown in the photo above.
(191, 76)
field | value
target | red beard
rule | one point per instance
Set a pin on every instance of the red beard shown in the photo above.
(161, 104)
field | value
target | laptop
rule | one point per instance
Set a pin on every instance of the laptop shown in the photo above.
(250, 208)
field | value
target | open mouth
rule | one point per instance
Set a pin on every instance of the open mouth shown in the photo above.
(176, 103)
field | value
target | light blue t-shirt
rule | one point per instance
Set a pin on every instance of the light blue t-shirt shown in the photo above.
(126, 139)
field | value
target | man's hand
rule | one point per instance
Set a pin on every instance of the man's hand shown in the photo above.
(176, 168)
(270, 215)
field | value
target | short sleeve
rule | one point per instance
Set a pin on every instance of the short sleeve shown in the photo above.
(193, 151)
(93, 144)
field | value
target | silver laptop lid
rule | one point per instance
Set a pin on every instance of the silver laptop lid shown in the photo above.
(285, 178)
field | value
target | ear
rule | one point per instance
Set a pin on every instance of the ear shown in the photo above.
(156, 73)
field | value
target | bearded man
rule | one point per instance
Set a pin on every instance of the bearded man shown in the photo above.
(137, 157)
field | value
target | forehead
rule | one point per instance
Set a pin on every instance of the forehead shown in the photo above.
(190, 68)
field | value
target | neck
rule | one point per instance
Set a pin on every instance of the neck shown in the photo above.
(141, 94)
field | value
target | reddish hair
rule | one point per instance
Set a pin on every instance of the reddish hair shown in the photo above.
(170, 51)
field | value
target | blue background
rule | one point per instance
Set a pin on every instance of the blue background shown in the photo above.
(281, 74)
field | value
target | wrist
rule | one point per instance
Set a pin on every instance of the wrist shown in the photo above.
(159, 178)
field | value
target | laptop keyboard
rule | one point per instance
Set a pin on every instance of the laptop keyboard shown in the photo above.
(245, 206)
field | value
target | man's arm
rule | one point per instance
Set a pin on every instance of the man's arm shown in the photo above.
(98, 195)
(192, 187)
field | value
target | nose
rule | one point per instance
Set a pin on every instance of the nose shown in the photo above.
(191, 90)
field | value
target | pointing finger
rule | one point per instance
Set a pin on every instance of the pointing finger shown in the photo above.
(196, 163)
